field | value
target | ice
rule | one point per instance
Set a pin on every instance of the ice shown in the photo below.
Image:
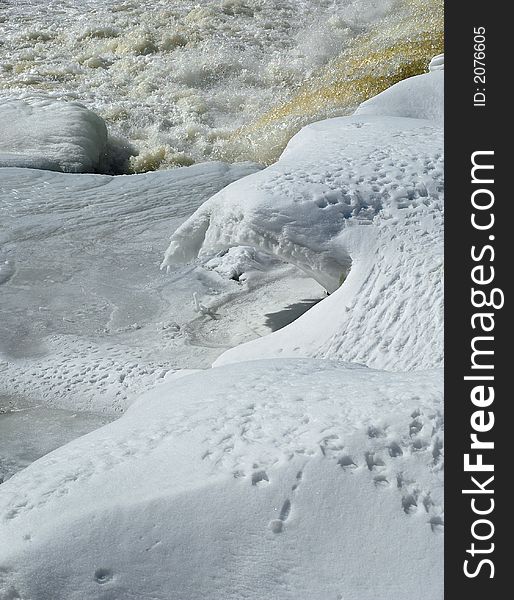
(297, 476)
(88, 320)
(357, 200)
(44, 133)
(29, 432)
(289, 479)
(344, 212)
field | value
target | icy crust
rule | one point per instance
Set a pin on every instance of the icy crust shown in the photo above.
(88, 321)
(420, 97)
(43, 133)
(259, 480)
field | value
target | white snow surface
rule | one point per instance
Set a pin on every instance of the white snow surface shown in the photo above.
(437, 63)
(44, 133)
(290, 479)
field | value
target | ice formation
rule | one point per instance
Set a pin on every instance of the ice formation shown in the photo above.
(357, 200)
(43, 133)
(88, 320)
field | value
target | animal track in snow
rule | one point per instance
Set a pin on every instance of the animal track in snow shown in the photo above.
(388, 451)
(346, 461)
(102, 576)
(251, 435)
(373, 461)
(395, 450)
(259, 477)
(277, 525)
(90, 377)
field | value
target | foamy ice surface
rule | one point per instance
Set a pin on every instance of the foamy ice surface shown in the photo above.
(185, 81)
(88, 319)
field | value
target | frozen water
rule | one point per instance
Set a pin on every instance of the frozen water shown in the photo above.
(28, 433)
(88, 319)
(49, 134)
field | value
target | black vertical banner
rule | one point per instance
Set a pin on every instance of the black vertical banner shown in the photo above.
(478, 324)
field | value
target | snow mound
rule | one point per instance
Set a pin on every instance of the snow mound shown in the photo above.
(335, 176)
(50, 134)
(258, 480)
(420, 97)
(357, 200)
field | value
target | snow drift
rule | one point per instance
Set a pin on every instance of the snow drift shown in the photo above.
(291, 479)
(419, 97)
(43, 133)
(357, 200)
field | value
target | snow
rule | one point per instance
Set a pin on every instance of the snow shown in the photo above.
(357, 200)
(343, 205)
(437, 63)
(292, 470)
(290, 479)
(44, 133)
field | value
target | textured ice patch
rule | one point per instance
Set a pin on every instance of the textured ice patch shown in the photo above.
(88, 320)
(44, 133)
(30, 432)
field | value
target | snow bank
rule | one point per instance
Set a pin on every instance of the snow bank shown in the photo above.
(356, 199)
(333, 176)
(437, 63)
(420, 97)
(50, 134)
(292, 479)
